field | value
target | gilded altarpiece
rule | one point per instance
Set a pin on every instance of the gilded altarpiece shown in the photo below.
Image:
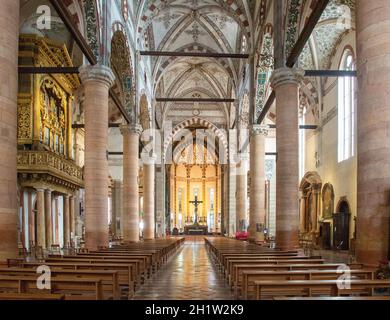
(45, 149)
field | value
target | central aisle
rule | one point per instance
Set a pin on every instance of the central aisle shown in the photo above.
(188, 275)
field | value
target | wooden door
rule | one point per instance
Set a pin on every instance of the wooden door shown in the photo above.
(341, 230)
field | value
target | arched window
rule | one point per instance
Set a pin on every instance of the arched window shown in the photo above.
(346, 110)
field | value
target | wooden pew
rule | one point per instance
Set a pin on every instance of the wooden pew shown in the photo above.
(249, 277)
(126, 273)
(232, 262)
(29, 296)
(138, 264)
(74, 289)
(306, 287)
(109, 278)
(240, 268)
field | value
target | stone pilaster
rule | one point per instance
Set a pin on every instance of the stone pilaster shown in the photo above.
(72, 219)
(66, 221)
(116, 206)
(242, 192)
(9, 20)
(149, 212)
(257, 183)
(285, 82)
(97, 81)
(130, 198)
(48, 218)
(41, 238)
(373, 145)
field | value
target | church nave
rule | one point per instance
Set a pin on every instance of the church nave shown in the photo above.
(188, 275)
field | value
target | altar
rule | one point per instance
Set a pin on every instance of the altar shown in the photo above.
(196, 228)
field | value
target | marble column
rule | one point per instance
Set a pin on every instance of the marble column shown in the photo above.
(130, 207)
(48, 218)
(31, 219)
(373, 141)
(97, 81)
(72, 221)
(57, 220)
(242, 192)
(285, 82)
(9, 18)
(257, 182)
(41, 238)
(149, 213)
(116, 207)
(66, 221)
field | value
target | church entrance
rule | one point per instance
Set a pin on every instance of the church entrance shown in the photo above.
(341, 221)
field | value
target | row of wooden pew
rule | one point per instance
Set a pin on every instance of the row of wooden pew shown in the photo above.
(256, 272)
(108, 273)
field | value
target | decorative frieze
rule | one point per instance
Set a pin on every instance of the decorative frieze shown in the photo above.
(50, 166)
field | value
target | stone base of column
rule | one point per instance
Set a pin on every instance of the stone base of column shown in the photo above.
(8, 235)
(95, 239)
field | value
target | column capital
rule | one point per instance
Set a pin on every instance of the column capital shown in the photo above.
(284, 76)
(258, 129)
(97, 73)
(130, 129)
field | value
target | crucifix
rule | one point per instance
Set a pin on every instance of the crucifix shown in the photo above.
(196, 203)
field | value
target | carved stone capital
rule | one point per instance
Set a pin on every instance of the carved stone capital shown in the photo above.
(98, 73)
(130, 129)
(258, 129)
(284, 76)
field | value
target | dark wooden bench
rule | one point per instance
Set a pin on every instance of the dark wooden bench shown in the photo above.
(74, 289)
(249, 277)
(306, 287)
(109, 278)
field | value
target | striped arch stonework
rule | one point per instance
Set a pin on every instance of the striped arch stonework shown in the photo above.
(201, 122)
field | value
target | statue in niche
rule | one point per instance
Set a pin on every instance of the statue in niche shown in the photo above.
(327, 201)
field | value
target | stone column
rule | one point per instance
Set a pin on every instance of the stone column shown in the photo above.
(130, 207)
(116, 206)
(285, 83)
(31, 219)
(72, 221)
(373, 145)
(149, 216)
(257, 183)
(66, 221)
(57, 219)
(242, 191)
(97, 81)
(41, 238)
(48, 218)
(9, 18)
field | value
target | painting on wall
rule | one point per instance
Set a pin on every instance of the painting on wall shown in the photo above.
(327, 201)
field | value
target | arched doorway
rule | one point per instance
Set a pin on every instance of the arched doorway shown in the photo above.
(341, 221)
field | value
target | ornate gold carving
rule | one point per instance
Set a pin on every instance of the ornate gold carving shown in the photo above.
(53, 106)
(24, 121)
(51, 164)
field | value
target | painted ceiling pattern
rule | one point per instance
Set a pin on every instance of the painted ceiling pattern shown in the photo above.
(200, 26)
(334, 23)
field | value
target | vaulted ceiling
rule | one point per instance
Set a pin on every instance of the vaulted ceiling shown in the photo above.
(200, 26)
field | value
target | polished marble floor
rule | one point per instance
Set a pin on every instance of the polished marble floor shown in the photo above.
(188, 275)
